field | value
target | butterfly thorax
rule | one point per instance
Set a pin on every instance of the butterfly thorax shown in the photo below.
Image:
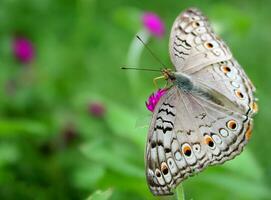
(179, 79)
(183, 82)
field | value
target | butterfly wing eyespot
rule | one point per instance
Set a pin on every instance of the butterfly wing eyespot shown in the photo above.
(232, 125)
(226, 69)
(239, 94)
(158, 173)
(209, 141)
(195, 24)
(208, 45)
(186, 149)
(164, 168)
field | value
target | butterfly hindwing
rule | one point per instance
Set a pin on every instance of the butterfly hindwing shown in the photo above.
(187, 134)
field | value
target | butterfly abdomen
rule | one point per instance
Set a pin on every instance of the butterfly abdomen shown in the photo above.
(185, 84)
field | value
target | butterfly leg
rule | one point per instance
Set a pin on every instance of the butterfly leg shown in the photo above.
(156, 79)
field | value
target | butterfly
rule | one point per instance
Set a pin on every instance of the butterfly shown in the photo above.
(205, 117)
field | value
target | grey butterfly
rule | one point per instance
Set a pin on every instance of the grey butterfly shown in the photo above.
(205, 118)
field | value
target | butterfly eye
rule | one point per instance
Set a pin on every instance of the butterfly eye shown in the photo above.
(239, 94)
(208, 45)
(232, 125)
(187, 150)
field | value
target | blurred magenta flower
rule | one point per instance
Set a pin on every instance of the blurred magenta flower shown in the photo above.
(154, 98)
(96, 109)
(69, 134)
(153, 24)
(23, 49)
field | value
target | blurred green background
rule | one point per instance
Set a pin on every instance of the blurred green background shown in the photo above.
(74, 126)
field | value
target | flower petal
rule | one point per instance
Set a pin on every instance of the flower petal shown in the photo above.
(154, 98)
(153, 24)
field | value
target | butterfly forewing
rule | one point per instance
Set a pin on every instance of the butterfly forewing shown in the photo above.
(193, 44)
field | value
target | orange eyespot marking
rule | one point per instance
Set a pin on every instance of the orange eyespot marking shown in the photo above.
(232, 125)
(209, 141)
(248, 132)
(164, 168)
(187, 150)
(225, 69)
(195, 24)
(255, 107)
(239, 94)
(208, 45)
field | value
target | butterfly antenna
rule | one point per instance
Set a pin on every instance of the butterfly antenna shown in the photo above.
(142, 69)
(151, 52)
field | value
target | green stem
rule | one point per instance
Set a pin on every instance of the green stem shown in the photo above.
(180, 192)
(133, 59)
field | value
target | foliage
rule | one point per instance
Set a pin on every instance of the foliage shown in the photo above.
(53, 147)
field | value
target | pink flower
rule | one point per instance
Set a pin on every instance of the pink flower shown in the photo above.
(96, 109)
(154, 98)
(153, 24)
(23, 49)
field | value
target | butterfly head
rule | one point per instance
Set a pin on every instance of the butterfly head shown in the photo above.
(168, 74)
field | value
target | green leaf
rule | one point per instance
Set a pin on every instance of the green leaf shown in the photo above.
(245, 159)
(180, 192)
(123, 122)
(239, 186)
(99, 153)
(8, 153)
(11, 127)
(87, 176)
(101, 195)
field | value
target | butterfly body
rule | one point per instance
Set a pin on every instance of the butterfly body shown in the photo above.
(205, 117)
(184, 82)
